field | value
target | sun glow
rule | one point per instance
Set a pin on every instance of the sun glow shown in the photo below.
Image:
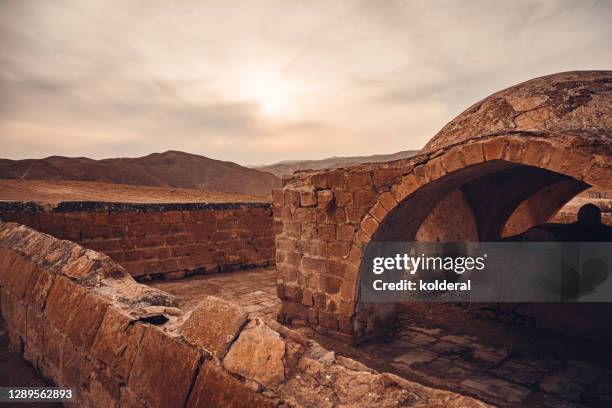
(273, 94)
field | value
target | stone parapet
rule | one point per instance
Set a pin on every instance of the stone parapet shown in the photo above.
(83, 322)
(159, 240)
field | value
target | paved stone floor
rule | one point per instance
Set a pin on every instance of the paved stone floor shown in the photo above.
(445, 346)
(254, 289)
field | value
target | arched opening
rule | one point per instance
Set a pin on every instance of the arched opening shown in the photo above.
(490, 193)
(471, 204)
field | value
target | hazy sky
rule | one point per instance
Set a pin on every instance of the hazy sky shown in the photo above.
(263, 81)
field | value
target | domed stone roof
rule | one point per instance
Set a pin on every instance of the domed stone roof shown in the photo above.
(568, 103)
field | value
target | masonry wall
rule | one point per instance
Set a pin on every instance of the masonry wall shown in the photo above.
(324, 218)
(160, 239)
(81, 320)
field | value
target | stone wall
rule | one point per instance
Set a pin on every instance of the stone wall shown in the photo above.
(83, 322)
(160, 239)
(325, 218)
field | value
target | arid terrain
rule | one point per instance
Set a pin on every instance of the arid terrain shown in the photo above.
(55, 191)
(289, 166)
(169, 169)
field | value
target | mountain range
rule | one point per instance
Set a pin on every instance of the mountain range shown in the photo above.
(168, 169)
(288, 167)
(174, 169)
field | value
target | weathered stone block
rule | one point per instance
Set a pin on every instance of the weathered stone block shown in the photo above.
(378, 211)
(345, 232)
(384, 176)
(307, 297)
(19, 277)
(214, 325)
(319, 181)
(63, 303)
(454, 160)
(338, 248)
(7, 257)
(328, 320)
(75, 367)
(313, 265)
(326, 232)
(258, 355)
(129, 399)
(387, 200)
(172, 217)
(364, 198)
(51, 351)
(33, 337)
(494, 149)
(292, 198)
(515, 150)
(278, 197)
(117, 341)
(336, 267)
(84, 325)
(436, 168)
(422, 175)
(294, 310)
(344, 198)
(159, 353)
(473, 154)
(313, 248)
(308, 198)
(336, 179)
(324, 198)
(330, 284)
(369, 225)
(215, 388)
(104, 390)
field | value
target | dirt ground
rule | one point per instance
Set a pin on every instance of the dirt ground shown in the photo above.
(55, 191)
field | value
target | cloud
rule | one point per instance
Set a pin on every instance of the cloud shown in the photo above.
(115, 78)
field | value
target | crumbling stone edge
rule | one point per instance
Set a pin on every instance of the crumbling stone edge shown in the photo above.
(83, 322)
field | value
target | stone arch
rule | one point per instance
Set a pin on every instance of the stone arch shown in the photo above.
(506, 169)
(528, 165)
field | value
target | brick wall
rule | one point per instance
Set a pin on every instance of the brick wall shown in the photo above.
(160, 239)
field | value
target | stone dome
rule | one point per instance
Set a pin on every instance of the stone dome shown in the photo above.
(575, 103)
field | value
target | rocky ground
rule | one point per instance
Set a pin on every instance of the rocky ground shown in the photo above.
(446, 346)
(55, 191)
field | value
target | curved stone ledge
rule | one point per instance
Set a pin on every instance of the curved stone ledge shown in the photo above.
(81, 320)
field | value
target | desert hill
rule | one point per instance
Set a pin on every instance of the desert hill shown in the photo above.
(169, 169)
(288, 167)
